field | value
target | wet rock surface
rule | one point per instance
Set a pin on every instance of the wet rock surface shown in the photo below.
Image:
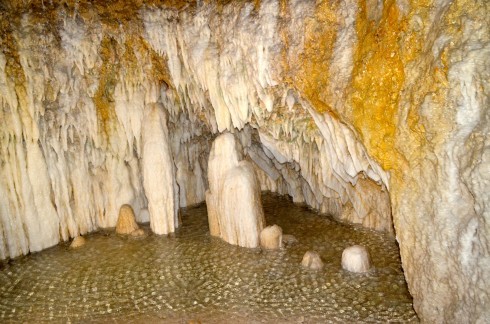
(191, 275)
(312, 260)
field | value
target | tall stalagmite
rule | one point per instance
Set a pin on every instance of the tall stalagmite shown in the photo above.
(233, 200)
(361, 109)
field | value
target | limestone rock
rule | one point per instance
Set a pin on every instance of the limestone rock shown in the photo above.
(407, 112)
(126, 222)
(289, 239)
(144, 215)
(312, 260)
(233, 200)
(77, 242)
(271, 237)
(158, 172)
(356, 259)
(138, 233)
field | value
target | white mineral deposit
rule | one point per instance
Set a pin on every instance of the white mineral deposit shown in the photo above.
(271, 237)
(374, 113)
(356, 259)
(233, 200)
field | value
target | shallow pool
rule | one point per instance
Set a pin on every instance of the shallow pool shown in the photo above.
(191, 276)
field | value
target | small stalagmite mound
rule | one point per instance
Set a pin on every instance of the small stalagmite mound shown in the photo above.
(289, 239)
(356, 259)
(138, 233)
(312, 260)
(77, 242)
(271, 237)
(126, 222)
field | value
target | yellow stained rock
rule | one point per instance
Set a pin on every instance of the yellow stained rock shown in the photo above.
(77, 242)
(126, 223)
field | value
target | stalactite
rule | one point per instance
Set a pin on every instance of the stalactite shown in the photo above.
(337, 104)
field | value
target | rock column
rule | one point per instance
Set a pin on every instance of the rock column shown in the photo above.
(158, 172)
(233, 200)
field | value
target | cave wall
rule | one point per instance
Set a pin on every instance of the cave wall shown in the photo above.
(337, 104)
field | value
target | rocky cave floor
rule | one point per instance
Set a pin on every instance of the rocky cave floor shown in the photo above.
(191, 276)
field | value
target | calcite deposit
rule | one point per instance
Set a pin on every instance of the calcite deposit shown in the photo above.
(77, 242)
(356, 259)
(233, 200)
(126, 221)
(312, 260)
(375, 112)
(271, 237)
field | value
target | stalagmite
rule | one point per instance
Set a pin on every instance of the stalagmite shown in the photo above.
(271, 237)
(374, 112)
(126, 222)
(158, 172)
(312, 260)
(77, 242)
(289, 239)
(356, 259)
(138, 233)
(233, 200)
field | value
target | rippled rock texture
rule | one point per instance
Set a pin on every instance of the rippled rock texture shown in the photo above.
(361, 109)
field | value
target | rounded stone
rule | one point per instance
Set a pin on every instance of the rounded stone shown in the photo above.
(138, 233)
(356, 259)
(289, 239)
(271, 237)
(77, 242)
(312, 260)
(126, 222)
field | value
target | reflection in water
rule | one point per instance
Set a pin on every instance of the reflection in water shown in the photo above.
(190, 275)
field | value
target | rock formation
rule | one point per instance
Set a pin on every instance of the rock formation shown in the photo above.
(289, 239)
(144, 215)
(356, 259)
(126, 222)
(312, 260)
(158, 171)
(138, 233)
(360, 109)
(271, 237)
(77, 242)
(233, 200)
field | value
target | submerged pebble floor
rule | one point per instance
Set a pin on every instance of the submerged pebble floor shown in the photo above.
(192, 277)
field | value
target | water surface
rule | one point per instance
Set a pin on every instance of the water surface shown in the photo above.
(192, 276)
